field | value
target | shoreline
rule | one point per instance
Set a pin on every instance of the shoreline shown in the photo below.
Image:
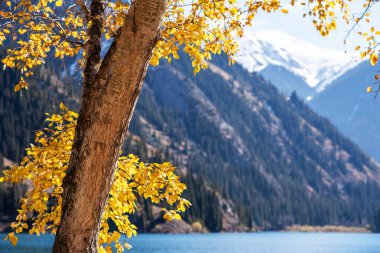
(327, 229)
(293, 228)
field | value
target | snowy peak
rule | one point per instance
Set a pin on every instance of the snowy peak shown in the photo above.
(315, 65)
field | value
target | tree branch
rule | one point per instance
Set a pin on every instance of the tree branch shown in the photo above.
(84, 9)
(93, 45)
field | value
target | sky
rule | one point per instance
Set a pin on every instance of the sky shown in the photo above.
(294, 24)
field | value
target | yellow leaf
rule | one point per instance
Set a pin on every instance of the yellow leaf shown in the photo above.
(374, 58)
(127, 246)
(154, 61)
(369, 89)
(13, 239)
(177, 216)
(168, 217)
(58, 3)
(17, 87)
(22, 31)
(63, 107)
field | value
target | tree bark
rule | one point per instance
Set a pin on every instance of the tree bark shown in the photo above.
(106, 109)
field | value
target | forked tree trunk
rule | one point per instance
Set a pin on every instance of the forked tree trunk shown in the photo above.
(106, 110)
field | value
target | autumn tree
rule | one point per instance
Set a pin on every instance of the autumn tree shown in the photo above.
(44, 168)
(140, 32)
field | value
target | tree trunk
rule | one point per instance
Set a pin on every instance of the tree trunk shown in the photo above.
(106, 110)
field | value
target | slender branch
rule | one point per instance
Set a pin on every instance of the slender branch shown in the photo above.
(93, 45)
(83, 7)
(370, 4)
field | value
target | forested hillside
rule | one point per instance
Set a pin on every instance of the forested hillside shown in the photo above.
(279, 161)
(251, 157)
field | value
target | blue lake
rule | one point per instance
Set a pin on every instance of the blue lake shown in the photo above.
(268, 242)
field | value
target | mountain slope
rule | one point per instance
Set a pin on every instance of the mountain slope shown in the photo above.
(252, 157)
(274, 157)
(355, 112)
(290, 63)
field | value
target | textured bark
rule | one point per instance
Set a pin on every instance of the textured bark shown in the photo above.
(93, 46)
(106, 109)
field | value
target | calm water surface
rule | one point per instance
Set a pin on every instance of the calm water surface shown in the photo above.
(275, 242)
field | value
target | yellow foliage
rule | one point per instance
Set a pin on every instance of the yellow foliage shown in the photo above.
(45, 165)
(200, 27)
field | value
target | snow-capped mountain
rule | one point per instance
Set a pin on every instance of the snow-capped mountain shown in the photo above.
(291, 63)
(333, 82)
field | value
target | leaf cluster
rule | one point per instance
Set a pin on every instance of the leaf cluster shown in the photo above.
(35, 28)
(45, 165)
